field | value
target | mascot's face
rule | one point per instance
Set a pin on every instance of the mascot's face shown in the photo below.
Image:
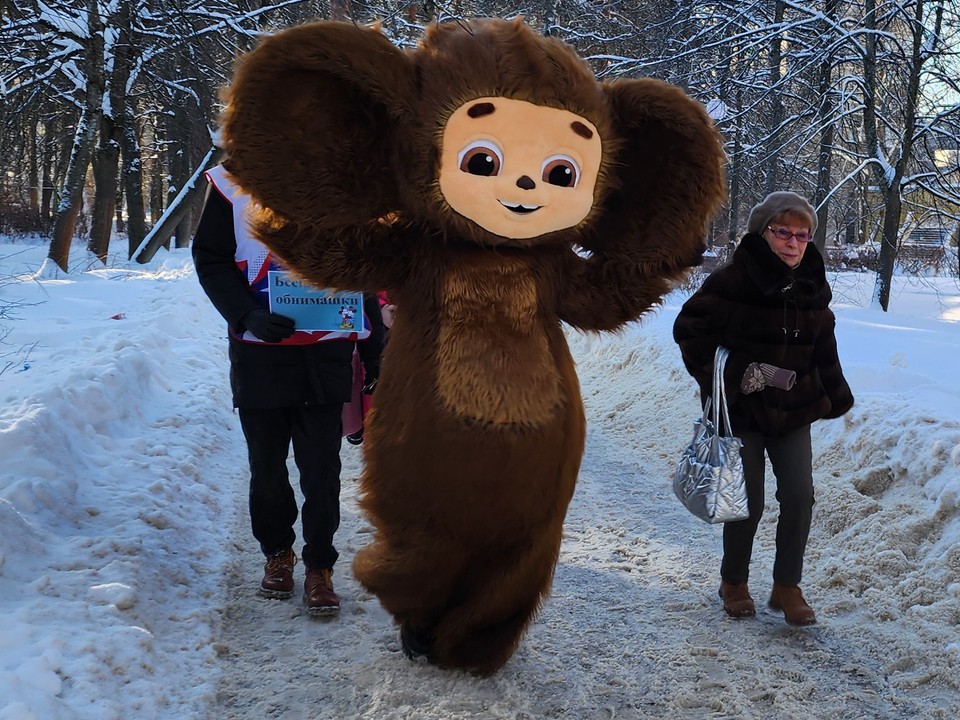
(519, 170)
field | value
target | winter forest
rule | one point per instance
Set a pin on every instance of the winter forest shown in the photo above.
(127, 564)
(109, 108)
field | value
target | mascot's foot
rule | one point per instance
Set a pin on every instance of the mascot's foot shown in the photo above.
(415, 643)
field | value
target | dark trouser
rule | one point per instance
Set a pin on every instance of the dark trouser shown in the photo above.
(792, 459)
(315, 431)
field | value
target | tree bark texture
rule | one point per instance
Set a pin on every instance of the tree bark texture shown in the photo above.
(84, 140)
(776, 103)
(827, 133)
(133, 184)
(891, 171)
(106, 161)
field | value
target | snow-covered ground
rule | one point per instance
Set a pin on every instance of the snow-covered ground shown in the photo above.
(127, 571)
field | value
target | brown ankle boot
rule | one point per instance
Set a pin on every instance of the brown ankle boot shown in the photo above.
(790, 601)
(278, 575)
(318, 594)
(736, 600)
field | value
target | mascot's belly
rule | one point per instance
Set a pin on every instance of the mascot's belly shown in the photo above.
(494, 361)
(503, 430)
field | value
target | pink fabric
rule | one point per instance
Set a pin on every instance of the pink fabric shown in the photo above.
(356, 410)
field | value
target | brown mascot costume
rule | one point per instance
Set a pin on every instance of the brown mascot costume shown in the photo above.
(495, 189)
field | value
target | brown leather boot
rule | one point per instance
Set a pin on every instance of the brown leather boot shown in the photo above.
(318, 594)
(278, 575)
(790, 601)
(736, 600)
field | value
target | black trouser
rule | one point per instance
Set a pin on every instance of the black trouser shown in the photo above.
(315, 431)
(792, 459)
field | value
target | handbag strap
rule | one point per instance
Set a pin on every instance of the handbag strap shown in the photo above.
(720, 391)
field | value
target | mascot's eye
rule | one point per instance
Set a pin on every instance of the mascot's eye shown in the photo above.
(561, 170)
(481, 157)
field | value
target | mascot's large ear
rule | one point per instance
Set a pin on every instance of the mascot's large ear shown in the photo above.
(310, 123)
(666, 177)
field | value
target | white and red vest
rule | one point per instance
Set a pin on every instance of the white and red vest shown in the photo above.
(255, 260)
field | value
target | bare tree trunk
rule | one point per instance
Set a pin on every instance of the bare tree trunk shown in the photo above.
(888, 253)
(133, 184)
(49, 162)
(889, 173)
(121, 225)
(776, 107)
(827, 133)
(735, 173)
(850, 218)
(731, 96)
(157, 184)
(105, 176)
(156, 177)
(34, 171)
(65, 221)
(180, 171)
(46, 194)
(892, 206)
(340, 10)
(551, 17)
(72, 197)
(106, 161)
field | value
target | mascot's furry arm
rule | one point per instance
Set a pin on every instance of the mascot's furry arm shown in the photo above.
(309, 134)
(466, 178)
(666, 181)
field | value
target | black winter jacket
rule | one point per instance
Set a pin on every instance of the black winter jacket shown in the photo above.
(764, 311)
(268, 375)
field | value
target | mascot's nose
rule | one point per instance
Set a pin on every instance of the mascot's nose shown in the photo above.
(525, 183)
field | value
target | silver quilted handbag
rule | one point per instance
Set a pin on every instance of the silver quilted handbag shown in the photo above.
(709, 477)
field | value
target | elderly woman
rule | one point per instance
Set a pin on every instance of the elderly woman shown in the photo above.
(770, 307)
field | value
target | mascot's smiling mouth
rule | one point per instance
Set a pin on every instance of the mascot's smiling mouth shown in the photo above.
(519, 208)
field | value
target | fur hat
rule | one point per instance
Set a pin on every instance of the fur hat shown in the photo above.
(777, 203)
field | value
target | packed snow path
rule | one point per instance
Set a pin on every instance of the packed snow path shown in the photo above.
(127, 571)
(633, 627)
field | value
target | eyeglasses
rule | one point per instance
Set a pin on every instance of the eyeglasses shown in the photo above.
(783, 234)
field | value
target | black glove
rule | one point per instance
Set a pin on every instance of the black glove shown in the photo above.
(269, 327)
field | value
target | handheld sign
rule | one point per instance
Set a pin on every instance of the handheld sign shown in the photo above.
(313, 308)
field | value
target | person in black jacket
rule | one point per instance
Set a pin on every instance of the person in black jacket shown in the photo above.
(288, 385)
(770, 307)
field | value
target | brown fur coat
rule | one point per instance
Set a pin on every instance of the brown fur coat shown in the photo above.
(475, 439)
(763, 311)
